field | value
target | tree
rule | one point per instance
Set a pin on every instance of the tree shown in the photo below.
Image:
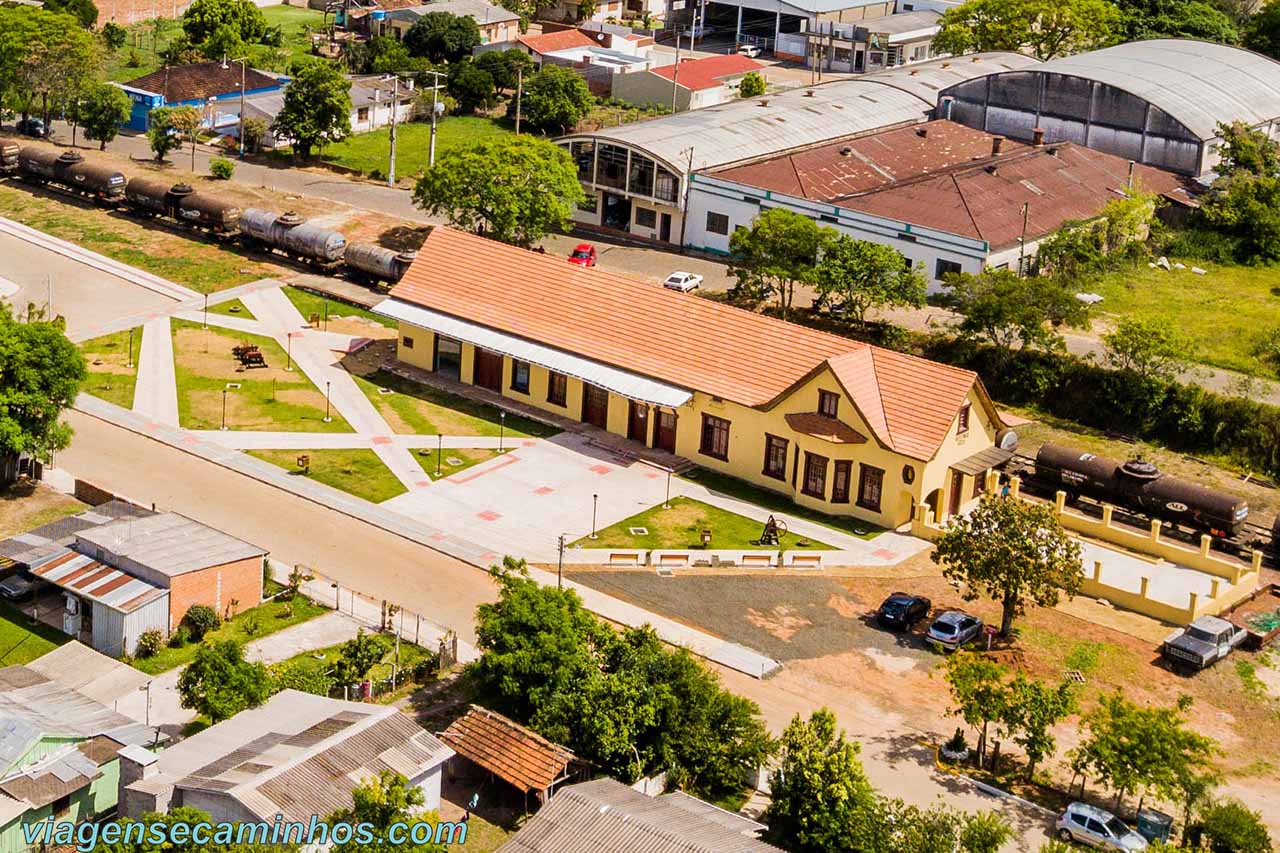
(1010, 550)
(1247, 207)
(503, 66)
(515, 189)
(471, 86)
(1152, 349)
(114, 35)
(361, 654)
(300, 676)
(1043, 28)
(204, 17)
(201, 619)
(819, 788)
(101, 111)
(752, 85)
(40, 375)
(221, 842)
(1005, 309)
(1192, 19)
(53, 60)
(382, 802)
(162, 132)
(779, 251)
(1032, 709)
(556, 98)
(84, 11)
(1245, 150)
(317, 108)
(978, 693)
(219, 683)
(186, 121)
(443, 36)
(1262, 32)
(864, 275)
(1231, 827)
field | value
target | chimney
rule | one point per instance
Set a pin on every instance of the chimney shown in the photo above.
(997, 142)
(923, 131)
(1037, 136)
(137, 764)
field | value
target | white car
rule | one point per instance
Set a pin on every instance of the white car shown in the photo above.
(682, 281)
(749, 50)
(699, 33)
(1095, 827)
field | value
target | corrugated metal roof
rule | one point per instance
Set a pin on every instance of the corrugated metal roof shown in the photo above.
(743, 129)
(98, 582)
(618, 381)
(29, 701)
(1198, 83)
(170, 543)
(516, 754)
(605, 816)
(92, 673)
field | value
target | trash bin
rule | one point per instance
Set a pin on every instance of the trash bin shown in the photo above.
(1154, 825)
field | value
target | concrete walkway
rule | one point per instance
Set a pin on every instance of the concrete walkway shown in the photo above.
(156, 392)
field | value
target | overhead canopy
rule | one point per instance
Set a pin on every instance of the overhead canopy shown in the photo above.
(983, 461)
(95, 581)
(621, 382)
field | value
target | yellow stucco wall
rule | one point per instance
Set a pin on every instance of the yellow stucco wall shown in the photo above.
(748, 428)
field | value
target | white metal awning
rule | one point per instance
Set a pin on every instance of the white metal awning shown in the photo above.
(620, 382)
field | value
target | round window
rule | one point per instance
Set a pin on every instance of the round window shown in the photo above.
(908, 474)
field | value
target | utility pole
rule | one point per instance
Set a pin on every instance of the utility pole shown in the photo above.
(688, 182)
(1022, 241)
(519, 92)
(435, 111)
(675, 75)
(395, 96)
(242, 82)
(560, 565)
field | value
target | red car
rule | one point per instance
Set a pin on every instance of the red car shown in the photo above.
(584, 255)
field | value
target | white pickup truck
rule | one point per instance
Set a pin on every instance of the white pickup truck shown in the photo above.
(1202, 643)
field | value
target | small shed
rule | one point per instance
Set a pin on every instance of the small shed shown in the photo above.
(518, 756)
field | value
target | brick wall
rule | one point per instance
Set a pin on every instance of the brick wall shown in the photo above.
(216, 587)
(125, 12)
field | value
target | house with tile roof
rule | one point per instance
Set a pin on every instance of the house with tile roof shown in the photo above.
(835, 424)
(203, 85)
(948, 197)
(296, 756)
(517, 755)
(694, 83)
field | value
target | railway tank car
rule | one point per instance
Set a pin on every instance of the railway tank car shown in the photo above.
(290, 234)
(183, 204)
(70, 171)
(8, 156)
(365, 260)
(1141, 486)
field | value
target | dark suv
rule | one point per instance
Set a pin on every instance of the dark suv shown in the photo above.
(902, 610)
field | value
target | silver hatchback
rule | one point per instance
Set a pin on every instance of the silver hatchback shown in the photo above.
(1098, 828)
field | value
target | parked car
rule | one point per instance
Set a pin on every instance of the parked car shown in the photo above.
(31, 126)
(902, 610)
(953, 629)
(699, 33)
(19, 586)
(584, 255)
(1202, 643)
(749, 50)
(1095, 827)
(683, 281)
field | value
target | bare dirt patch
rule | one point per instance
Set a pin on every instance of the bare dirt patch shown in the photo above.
(27, 504)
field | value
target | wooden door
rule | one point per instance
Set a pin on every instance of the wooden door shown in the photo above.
(638, 422)
(488, 370)
(957, 482)
(595, 406)
(664, 434)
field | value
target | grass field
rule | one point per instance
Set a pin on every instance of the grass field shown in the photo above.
(414, 409)
(295, 23)
(782, 505)
(201, 266)
(232, 308)
(246, 626)
(269, 398)
(681, 527)
(323, 659)
(1224, 313)
(464, 456)
(26, 505)
(20, 641)
(309, 303)
(112, 376)
(357, 472)
(368, 152)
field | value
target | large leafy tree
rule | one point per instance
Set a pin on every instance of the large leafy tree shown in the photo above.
(162, 131)
(101, 111)
(1012, 551)
(504, 66)
(384, 801)
(1043, 28)
(1033, 708)
(1005, 309)
(1152, 349)
(40, 375)
(219, 683)
(1262, 32)
(471, 86)
(442, 36)
(222, 836)
(1244, 150)
(1195, 19)
(52, 60)
(556, 99)
(83, 11)
(1231, 827)
(978, 693)
(204, 17)
(778, 252)
(317, 107)
(514, 189)
(861, 275)
(1247, 207)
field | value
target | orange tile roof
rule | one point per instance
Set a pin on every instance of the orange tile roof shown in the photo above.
(828, 429)
(522, 757)
(687, 341)
(709, 72)
(551, 42)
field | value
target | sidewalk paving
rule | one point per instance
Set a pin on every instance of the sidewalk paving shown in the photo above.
(155, 393)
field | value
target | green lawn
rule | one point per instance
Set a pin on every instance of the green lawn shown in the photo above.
(309, 303)
(323, 659)
(781, 504)
(1223, 313)
(270, 398)
(270, 617)
(369, 152)
(22, 642)
(232, 308)
(296, 23)
(415, 409)
(357, 472)
(111, 376)
(681, 527)
(465, 457)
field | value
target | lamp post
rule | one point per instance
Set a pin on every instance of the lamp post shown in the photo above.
(560, 565)
(129, 363)
(327, 417)
(666, 502)
(242, 60)
(595, 502)
(502, 430)
(439, 452)
(224, 409)
(289, 352)
(205, 324)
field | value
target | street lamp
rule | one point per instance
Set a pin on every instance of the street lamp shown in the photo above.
(502, 429)
(241, 60)
(289, 352)
(595, 502)
(224, 409)
(129, 363)
(666, 502)
(560, 565)
(439, 452)
(327, 417)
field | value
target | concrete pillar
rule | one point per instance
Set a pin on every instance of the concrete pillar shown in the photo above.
(1191, 606)
(1060, 502)
(1205, 542)
(1213, 587)
(1097, 570)
(1155, 531)
(777, 26)
(1107, 510)
(1142, 589)
(1015, 485)
(738, 33)
(1256, 562)
(993, 482)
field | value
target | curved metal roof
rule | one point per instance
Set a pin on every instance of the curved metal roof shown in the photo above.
(742, 129)
(1197, 83)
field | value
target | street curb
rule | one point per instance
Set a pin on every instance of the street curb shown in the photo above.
(989, 790)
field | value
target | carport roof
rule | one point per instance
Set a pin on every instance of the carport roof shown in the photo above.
(754, 127)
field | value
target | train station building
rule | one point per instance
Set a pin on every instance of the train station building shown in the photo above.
(835, 424)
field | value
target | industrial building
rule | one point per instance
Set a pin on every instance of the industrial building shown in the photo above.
(872, 44)
(834, 424)
(689, 84)
(947, 197)
(1158, 102)
(636, 175)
